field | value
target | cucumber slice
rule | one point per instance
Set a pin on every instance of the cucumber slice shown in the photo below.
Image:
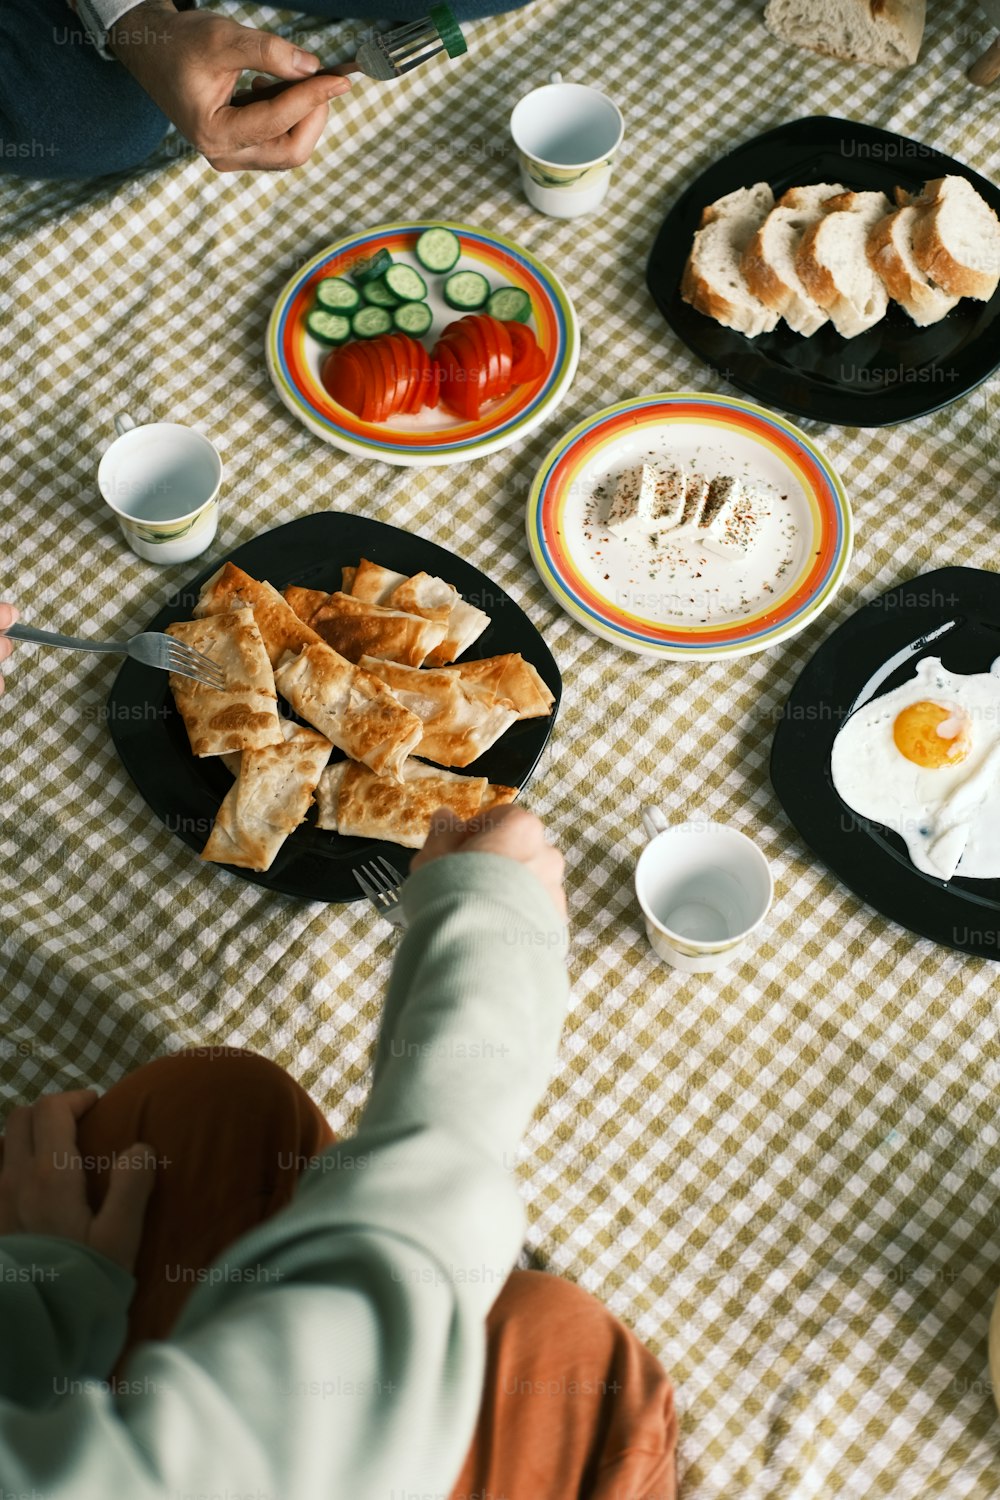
(370, 267)
(414, 318)
(448, 30)
(369, 322)
(377, 294)
(334, 294)
(328, 327)
(438, 250)
(466, 290)
(407, 284)
(511, 304)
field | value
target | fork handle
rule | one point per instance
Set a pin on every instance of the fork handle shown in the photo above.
(49, 638)
(272, 90)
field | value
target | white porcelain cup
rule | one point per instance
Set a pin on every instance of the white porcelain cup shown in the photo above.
(566, 135)
(162, 482)
(703, 889)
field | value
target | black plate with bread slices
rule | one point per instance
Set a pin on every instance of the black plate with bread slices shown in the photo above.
(892, 371)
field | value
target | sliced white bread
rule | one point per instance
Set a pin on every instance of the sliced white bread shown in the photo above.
(768, 262)
(890, 254)
(956, 239)
(886, 32)
(712, 280)
(833, 265)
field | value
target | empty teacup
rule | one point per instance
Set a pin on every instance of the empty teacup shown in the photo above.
(162, 482)
(703, 889)
(566, 135)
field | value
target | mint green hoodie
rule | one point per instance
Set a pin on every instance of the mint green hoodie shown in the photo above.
(337, 1351)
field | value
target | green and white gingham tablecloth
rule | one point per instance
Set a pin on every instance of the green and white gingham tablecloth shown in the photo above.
(784, 1177)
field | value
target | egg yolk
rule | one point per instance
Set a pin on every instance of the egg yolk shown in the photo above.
(932, 734)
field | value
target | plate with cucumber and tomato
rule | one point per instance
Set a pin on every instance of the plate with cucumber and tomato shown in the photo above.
(423, 344)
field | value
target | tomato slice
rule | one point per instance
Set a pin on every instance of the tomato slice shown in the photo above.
(407, 363)
(468, 350)
(385, 377)
(421, 377)
(497, 339)
(428, 386)
(478, 330)
(344, 379)
(530, 363)
(504, 383)
(432, 396)
(429, 383)
(375, 393)
(461, 381)
(477, 369)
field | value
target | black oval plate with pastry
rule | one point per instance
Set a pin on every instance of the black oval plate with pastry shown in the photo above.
(952, 613)
(893, 372)
(185, 792)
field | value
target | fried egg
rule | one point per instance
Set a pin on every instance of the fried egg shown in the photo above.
(924, 760)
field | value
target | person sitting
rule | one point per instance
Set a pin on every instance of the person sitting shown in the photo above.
(95, 93)
(203, 1290)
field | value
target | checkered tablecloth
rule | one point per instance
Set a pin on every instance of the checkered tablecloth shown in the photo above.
(784, 1177)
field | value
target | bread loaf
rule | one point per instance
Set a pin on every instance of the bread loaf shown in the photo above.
(712, 281)
(834, 268)
(886, 32)
(890, 255)
(768, 262)
(956, 238)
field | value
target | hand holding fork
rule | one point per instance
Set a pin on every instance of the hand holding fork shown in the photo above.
(152, 648)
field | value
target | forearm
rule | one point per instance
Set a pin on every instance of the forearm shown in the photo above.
(475, 1005)
(339, 1348)
(115, 25)
(63, 1310)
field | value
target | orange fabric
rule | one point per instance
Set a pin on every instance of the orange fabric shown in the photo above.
(574, 1407)
(231, 1131)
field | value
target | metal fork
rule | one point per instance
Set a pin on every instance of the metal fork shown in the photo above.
(382, 887)
(151, 648)
(388, 55)
(393, 53)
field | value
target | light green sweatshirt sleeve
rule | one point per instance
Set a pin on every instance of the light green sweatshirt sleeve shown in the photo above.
(338, 1350)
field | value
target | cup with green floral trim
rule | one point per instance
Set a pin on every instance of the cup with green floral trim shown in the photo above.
(566, 136)
(162, 481)
(704, 888)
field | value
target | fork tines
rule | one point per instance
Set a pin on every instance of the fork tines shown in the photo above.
(187, 662)
(407, 47)
(414, 61)
(380, 885)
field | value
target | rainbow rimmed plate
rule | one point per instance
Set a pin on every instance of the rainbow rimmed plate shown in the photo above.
(294, 357)
(672, 597)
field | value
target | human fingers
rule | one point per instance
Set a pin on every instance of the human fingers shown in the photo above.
(447, 834)
(245, 47)
(18, 1139)
(519, 835)
(289, 150)
(54, 1122)
(236, 128)
(116, 1230)
(507, 829)
(8, 615)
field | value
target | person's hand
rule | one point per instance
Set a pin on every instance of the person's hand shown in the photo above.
(507, 830)
(8, 615)
(189, 63)
(43, 1185)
